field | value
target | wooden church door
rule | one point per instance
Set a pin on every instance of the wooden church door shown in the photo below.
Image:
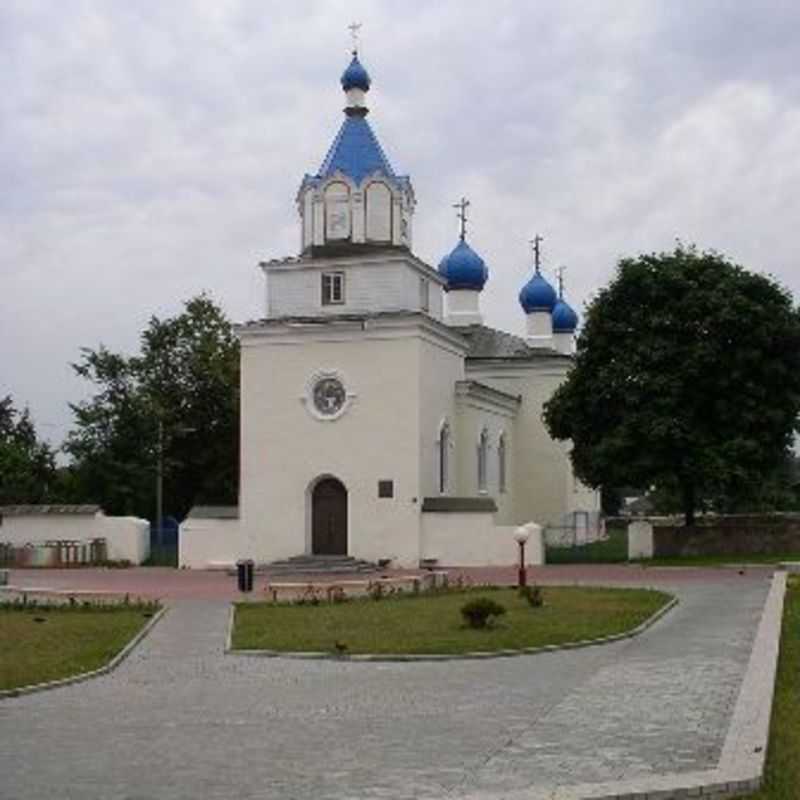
(329, 518)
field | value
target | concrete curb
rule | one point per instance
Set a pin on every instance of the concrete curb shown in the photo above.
(51, 592)
(741, 766)
(411, 657)
(85, 676)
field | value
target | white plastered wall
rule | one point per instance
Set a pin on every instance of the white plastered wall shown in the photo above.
(543, 482)
(441, 365)
(209, 543)
(471, 539)
(389, 285)
(285, 448)
(127, 538)
(473, 416)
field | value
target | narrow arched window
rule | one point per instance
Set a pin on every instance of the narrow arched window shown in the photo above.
(483, 448)
(378, 208)
(501, 464)
(444, 447)
(337, 211)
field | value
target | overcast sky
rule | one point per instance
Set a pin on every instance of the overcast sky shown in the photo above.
(151, 150)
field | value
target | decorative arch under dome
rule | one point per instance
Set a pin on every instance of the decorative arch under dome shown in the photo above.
(537, 295)
(463, 268)
(565, 320)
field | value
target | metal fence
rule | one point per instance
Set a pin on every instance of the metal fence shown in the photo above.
(576, 529)
(54, 553)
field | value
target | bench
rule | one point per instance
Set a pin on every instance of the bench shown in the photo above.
(413, 582)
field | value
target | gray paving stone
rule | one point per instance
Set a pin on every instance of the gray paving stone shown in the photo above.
(179, 719)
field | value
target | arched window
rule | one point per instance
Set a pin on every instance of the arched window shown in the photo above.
(378, 207)
(337, 211)
(501, 464)
(483, 451)
(444, 448)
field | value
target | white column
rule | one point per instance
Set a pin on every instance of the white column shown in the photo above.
(463, 307)
(640, 539)
(540, 329)
(564, 342)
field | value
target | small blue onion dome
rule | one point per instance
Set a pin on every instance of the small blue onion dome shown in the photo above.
(355, 76)
(565, 320)
(463, 268)
(537, 295)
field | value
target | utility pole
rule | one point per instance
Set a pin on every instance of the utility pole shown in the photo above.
(160, 486)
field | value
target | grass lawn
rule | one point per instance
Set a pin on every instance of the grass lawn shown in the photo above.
(718, 561)
(69, 640)
(433, 623)
(614, 549)
(782, 774)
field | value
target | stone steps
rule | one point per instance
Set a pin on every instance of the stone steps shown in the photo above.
(318, 565)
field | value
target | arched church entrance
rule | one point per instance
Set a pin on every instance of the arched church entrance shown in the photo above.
(329, 518)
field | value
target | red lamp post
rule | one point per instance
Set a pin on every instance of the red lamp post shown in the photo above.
(521, 535)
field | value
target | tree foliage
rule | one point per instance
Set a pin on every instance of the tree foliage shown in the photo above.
(27, 466)
(185, 379)
(686, 378)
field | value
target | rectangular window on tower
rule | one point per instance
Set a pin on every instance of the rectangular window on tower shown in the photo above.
(332, 288)
(424, 294)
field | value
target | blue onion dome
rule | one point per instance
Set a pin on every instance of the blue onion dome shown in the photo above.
(463, 268)
(355, 76)
(537, 295)
(565, 320)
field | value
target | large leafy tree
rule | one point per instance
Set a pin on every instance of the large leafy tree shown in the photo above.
(686, 378)
(178, 398)
(27, 467)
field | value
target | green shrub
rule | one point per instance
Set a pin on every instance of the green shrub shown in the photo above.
(481, 611)
(533, 594)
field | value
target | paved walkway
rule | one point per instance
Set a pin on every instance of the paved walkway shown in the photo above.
(179, 719)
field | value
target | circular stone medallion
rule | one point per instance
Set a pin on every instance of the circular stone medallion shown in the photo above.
(329, 396)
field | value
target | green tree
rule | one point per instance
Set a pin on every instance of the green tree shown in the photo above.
(686, 378)
(27, 466)
(185, 383)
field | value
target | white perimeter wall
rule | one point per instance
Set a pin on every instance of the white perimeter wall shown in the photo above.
(471, 539)
(128, 538)
(208, 543)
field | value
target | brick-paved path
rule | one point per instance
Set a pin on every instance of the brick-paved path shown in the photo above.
(179, 719)
(170, 584)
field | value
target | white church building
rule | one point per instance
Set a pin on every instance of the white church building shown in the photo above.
(380, 418)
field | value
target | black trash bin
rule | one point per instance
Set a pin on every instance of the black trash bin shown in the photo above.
(244, 574)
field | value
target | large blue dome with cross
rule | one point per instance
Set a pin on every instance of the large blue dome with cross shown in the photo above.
(463, 268)
(537, 295)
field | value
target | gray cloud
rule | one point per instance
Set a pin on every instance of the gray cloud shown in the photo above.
(149, 151)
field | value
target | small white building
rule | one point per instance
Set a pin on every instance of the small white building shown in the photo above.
(380, 418)
(126, 538)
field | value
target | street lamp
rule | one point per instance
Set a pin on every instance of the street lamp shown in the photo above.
(521, 535)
